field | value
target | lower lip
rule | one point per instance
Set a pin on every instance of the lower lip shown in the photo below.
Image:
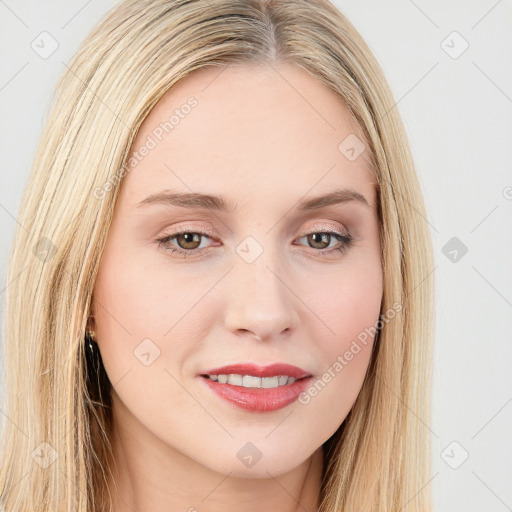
(259, 399)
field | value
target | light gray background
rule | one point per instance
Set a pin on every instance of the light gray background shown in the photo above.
(457, 111)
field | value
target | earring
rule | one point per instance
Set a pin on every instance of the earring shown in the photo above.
(89, 338)
(93, 370)
(92, 352)
(92, 349)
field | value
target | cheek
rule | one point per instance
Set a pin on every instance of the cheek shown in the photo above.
(139, 317)
(349, 310)
(130, 307)
(346, 301)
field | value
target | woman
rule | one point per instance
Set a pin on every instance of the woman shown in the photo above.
(227, 298)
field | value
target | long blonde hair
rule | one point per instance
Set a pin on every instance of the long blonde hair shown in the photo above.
(55, 439)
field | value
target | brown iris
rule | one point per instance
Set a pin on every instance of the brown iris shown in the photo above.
(188, 240)
(320, 238)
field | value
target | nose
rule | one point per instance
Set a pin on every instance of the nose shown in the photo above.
(261, 302)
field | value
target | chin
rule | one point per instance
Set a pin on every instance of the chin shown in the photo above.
(258, 459)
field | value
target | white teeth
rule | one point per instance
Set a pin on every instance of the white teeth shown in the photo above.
(283, 379)
(270, 382)
(250, 381)
(235, 380)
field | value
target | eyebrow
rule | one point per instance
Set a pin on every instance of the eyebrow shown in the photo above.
(219, 203)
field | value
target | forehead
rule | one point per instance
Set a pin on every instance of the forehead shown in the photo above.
(255, 129)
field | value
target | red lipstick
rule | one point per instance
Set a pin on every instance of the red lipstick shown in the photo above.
(271, 370)
(271, 394)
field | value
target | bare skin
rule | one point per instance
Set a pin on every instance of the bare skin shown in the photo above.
(264, 139)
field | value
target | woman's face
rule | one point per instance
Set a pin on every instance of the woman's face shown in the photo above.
(253, 278)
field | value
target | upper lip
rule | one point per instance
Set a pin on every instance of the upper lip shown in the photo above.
(270, 370)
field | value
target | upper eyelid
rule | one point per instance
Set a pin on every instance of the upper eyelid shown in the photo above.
(211, 233)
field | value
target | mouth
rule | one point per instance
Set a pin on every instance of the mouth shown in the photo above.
(257, 388)
(251, 375)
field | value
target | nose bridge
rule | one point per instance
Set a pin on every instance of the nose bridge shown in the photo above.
(260, 301)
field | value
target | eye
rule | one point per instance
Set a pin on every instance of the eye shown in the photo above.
(188, 243)
(322, 240)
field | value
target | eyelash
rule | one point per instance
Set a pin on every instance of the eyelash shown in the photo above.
(345, 239)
